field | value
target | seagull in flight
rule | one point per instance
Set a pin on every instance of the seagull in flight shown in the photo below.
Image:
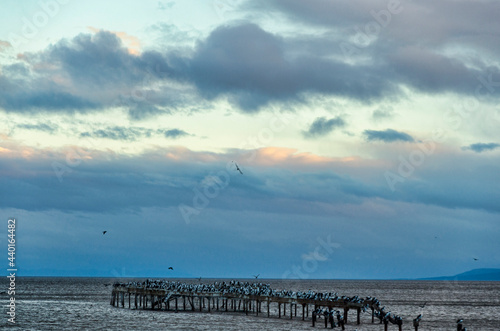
(104, 232)
(256, 276)
(238, 168)
(170, 268)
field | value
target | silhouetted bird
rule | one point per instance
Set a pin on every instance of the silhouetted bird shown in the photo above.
(238, 168)
(422, 306)
(256, 276)
(475, 259)
(170, 268)
(104, 232)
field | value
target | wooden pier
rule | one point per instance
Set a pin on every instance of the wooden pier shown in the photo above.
(257, 299)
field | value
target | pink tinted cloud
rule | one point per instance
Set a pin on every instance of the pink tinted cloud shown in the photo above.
(132, 43)
(274, 156)
(4, 45)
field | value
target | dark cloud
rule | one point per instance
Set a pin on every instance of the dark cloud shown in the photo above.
(173, 176)
(387, 136)
(402, 22)
(142, 110)
(133, 133)
(46, 127)
(175, 133)
(481, 147)
(27, 98)
(100, 60)
(119, 133)
(87, 73)
(411, 52)
(322, 126)
(330, 13)
(433, 73)
(251, 67)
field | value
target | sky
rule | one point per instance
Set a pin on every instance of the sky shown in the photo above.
(366, 133)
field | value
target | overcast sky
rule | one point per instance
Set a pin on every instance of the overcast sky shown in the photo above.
(366, 133)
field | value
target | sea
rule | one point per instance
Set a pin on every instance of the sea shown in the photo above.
(84, 304)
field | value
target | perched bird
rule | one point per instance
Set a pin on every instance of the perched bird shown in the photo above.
(170, 268)
(104, 232)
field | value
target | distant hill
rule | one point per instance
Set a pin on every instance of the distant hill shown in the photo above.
(474, 274)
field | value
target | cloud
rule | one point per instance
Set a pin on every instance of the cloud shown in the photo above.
(165, 5)
(133, 43)
(133, 133)
(382, 113)
(444, 25)
(481, 147)
(4, 45)
(387, 136)
(119, 133)
(275, 180)
(434, 58)
(322, 126)
(46, 127)
(251, 67)
(175, 133)
(87, 74)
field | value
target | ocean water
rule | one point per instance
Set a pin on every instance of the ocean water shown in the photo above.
(84, 304)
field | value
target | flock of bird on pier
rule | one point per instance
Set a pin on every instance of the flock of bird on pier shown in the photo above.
(323, 301)
(246, 288)
(235, 287)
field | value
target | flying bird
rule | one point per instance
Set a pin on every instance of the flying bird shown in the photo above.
(422, 306)
(238, 168)
(475, 259)
(170, 268)
(256, 276)
(104, 232)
